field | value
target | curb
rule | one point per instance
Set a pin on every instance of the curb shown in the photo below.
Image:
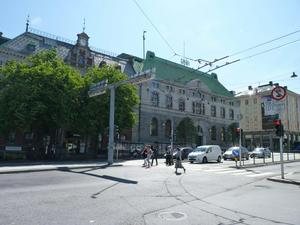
(287, 181)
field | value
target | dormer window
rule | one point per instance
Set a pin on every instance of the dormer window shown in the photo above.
(102, 64)
(30, 47)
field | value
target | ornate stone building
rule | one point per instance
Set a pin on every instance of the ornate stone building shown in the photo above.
(177, 92)
(78, 54)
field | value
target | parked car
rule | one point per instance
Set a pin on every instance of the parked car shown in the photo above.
(205, 154)
(229, 155)
(296, 147)
(185, 151)
(260, 153)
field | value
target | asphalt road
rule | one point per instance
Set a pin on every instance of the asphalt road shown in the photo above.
(130, 194)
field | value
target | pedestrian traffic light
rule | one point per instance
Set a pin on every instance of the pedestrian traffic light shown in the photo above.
(278, 128)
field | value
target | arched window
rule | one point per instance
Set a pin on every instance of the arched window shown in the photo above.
(199, 130)
(169, 101)
(231, 114)
(213, 133)
(168, 127)
(181, 105)
(155, 98)
(223, 136)
(153, 127)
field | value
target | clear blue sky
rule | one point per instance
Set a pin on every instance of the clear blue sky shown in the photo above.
(210, 29)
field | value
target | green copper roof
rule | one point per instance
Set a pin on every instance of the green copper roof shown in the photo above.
(176, 73)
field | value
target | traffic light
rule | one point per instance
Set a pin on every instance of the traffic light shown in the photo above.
(239, 131)
(278, 128)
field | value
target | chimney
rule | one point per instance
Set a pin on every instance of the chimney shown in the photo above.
(1, 34)
(232, 92)
(271, 83)
(250, 88)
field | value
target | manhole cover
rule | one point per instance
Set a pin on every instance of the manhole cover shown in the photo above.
(172, 215)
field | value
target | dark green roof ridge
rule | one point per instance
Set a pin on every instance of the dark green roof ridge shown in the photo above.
(177, 73)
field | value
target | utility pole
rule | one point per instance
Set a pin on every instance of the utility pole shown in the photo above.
(144, 44)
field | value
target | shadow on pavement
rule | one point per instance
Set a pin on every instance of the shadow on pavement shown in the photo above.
(117, 179)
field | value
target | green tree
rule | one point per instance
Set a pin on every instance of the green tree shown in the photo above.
(38, 95)
(186, 132)
(94, 113)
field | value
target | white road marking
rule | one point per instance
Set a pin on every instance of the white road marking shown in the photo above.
(242, 173)
(260, 174)
(218, 170)
(232, 171)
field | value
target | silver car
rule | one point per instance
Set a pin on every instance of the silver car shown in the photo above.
(229, 153)
(260, 153)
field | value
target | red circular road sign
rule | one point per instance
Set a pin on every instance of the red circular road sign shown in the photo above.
(278, 93)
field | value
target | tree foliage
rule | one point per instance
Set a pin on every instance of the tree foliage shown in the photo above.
(42, 94)
(94, 113)
(186, 132)
(38, 94)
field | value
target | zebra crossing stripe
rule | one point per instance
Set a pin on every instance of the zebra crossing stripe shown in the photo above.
(260, 174)
(231, 171)
(218, 170)
(242, 173)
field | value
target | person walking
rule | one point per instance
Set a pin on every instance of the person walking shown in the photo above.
(169, 157)
(154, 155)
(178, 163)
(144, 154)
(149, 156)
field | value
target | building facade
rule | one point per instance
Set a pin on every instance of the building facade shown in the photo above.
(178, 92)
(258, 112)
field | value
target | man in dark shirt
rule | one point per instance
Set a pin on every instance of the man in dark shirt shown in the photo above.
(154, 156)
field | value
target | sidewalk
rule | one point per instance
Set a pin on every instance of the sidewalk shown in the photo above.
(21, 167)
(289, 178)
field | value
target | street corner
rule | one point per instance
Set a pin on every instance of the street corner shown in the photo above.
(292, 178)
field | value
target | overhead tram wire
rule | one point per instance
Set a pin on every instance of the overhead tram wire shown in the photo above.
(166, 42)
(248, 49)
(251, 56)
(264, 43)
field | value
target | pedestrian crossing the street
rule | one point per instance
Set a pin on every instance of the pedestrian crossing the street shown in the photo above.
(232, 171)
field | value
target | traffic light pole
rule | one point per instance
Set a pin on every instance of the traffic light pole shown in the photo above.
(240, 149)
(281, 157)
(110, 156)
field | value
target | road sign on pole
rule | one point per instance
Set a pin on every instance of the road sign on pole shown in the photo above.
(278, 93)
(98, 88)
(136, 79)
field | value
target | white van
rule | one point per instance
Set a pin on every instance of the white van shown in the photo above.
(205, 154)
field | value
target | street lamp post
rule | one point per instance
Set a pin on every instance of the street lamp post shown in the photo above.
(136, 79)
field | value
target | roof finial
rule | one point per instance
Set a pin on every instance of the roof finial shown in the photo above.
(27, 23)
(83, 28)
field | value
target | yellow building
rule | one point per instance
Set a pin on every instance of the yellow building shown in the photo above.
(258, 111)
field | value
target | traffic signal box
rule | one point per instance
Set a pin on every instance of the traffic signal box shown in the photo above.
(238, 131)
(278, 128)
